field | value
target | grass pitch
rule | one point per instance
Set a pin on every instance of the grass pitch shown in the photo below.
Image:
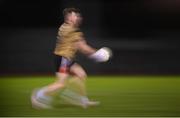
(119, 96)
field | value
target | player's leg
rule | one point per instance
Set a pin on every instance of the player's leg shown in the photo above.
(44, 96)
(79, 77)
(75, 90)
(58, 85)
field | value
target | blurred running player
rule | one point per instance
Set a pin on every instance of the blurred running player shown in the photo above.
(69, 40)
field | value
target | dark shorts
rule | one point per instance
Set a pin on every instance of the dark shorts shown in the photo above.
(62, 64)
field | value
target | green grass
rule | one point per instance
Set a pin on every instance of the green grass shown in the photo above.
(119, 96)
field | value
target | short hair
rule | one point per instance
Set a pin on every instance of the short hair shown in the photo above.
(70, 10)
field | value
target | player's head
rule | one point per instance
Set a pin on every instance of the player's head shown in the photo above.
(73, 16)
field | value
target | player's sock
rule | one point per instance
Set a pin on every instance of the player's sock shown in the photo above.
(40, 101)
(73, 98)
(42, 96)
(84, 99)
(71, 94)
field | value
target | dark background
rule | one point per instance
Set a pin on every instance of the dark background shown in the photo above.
(144, 35)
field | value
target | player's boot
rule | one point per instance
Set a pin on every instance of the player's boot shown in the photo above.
(86, 102)
(40, 101)
(93, 103)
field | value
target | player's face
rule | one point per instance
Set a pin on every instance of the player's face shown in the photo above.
(76, 18)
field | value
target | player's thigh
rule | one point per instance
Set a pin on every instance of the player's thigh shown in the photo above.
(78, 71)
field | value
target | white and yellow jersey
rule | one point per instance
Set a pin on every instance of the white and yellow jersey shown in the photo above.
(66, 39)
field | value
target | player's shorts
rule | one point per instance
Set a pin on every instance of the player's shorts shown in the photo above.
(62, 64)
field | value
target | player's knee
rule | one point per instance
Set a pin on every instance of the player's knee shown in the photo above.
(82, 75)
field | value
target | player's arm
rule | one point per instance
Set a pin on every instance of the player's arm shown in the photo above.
(84, 48)
(100, 55)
